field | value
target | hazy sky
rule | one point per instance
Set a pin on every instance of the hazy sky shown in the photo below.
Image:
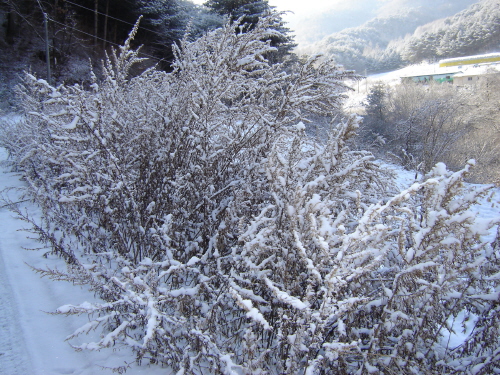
(305, 20)
(306, 14)
(310, 6)
(300, 6)
(313, 19)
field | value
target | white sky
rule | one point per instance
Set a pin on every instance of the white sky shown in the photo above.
(302, 20)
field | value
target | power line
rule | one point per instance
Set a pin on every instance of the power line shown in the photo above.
(40, 5)
(123, 21)
(47, 43)
(117, 19)
(120, 20)
(20, 14)
(94, 36)
(91, 35)
(83, 32)
(126, 22)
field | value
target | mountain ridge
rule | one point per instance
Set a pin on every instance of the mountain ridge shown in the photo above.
(392, 41)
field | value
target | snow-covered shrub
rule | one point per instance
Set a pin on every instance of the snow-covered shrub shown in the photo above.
(222, 239)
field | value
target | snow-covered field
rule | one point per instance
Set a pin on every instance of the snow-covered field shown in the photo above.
(31, 340)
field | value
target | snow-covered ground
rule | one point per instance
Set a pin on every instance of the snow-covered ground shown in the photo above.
(31, 340)
(357, 97)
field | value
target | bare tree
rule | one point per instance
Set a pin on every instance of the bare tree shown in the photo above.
(483, 142)
(421, 123)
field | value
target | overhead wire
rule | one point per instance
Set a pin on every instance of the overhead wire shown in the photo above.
(123, 21)
(19, 13)
(91, 35)
(120, 20)
(114, 18)
(40, 5)
(104, 40)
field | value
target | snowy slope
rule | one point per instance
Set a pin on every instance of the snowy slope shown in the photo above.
(354, 104)
(361, 89)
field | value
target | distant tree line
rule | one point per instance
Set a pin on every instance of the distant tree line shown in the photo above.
(422, 125)
(472, 31)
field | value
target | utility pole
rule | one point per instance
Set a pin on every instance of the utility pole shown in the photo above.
(47, 48)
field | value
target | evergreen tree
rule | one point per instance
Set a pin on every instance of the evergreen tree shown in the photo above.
(166, 22)
(250, 11)
(375, 116)
(162, 24)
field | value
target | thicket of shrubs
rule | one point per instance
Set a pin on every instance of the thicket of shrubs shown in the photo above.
(222, 239)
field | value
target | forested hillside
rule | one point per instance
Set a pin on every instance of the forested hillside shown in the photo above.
(365, 47)
(387, 43)
(472, 31)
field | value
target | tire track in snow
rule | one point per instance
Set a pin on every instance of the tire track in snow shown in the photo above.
(14, 357)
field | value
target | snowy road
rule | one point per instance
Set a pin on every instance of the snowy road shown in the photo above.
(32, 341)
(13, 352)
